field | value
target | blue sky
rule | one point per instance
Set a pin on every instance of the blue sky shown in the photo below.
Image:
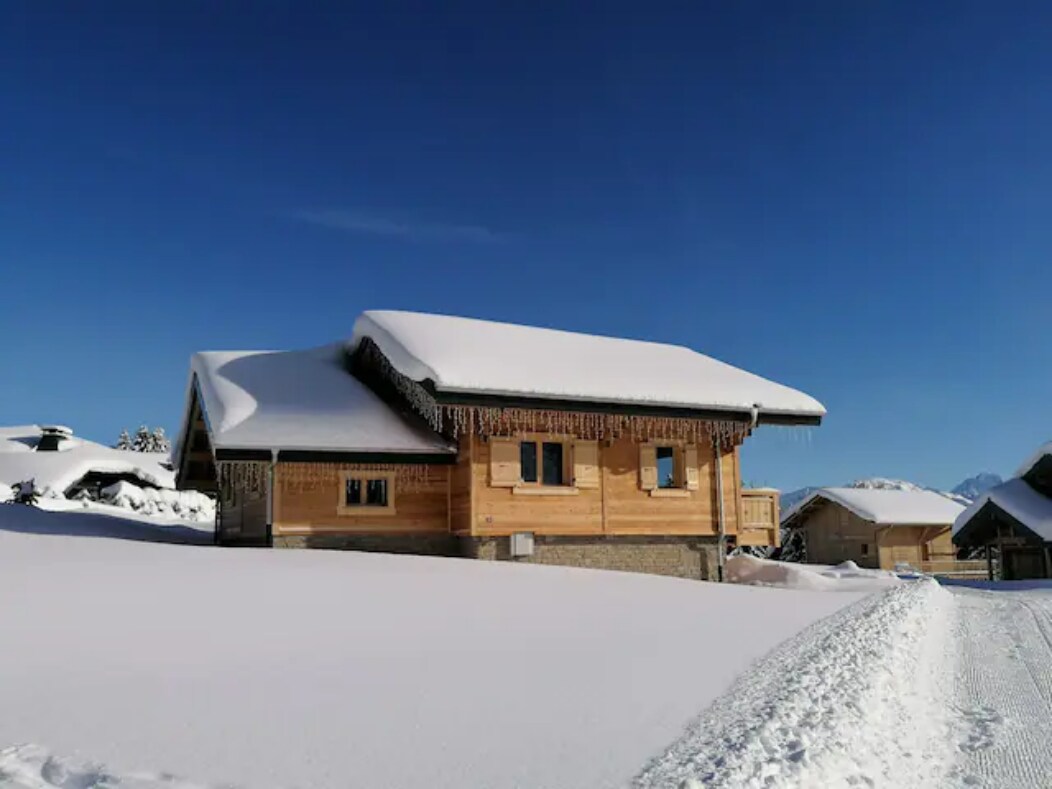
(850, 198)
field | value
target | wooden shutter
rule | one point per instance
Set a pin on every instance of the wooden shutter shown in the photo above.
(690, 467)
(586, 464)
(504, 468)
(648, 478)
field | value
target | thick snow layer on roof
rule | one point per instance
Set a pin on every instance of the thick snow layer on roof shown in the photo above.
(1044, 449)
(889, 507)
(299, 400)
(55, 471)
(1020, 501)
(474, 356)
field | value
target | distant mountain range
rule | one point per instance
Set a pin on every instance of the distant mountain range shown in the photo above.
(965, 493)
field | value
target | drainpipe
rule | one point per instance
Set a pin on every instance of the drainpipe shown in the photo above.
(270, 498)
(721, 534)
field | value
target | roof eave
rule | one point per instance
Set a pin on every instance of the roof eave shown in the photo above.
(500, 399)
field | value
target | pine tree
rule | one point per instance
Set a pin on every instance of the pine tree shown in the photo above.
(141, 442)
(159, 441)
(124, 441)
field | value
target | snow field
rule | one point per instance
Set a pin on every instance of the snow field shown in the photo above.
(268, 669)
(32, 767)
(861, 698)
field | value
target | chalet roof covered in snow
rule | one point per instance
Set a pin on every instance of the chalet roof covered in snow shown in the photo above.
(887, 507)
(1017, 499)
(300, 400)
(1045, 450)
(464, 356)
(55, 471)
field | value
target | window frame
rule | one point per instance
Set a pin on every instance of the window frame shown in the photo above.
(539, 440)
(363, 509)
(681, 489)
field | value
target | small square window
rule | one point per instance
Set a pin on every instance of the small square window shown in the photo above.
(666, 467)
(552, 465)
(367, 490)
(528, 461)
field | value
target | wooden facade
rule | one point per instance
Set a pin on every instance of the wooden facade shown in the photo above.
(834, 534)
(606, 493)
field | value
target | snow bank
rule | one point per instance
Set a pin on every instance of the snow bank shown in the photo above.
(330, 669)
(847, 576)
(189, 504)
(477, 356)
(860, 699)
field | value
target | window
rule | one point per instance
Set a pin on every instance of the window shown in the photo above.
(543, 462)
(365, 492)
(528, 460)
(865, 549)
(666, 467)
(552, 466)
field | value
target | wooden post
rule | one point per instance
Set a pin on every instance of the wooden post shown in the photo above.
(989, 563)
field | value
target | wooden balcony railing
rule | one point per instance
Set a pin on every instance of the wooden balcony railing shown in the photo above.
(951, 568)
(759, 518)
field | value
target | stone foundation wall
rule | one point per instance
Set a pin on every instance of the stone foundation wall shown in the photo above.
(682, 557)
(424, 544)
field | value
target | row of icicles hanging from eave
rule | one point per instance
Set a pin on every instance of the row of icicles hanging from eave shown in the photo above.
(252, 477)
(457, 420)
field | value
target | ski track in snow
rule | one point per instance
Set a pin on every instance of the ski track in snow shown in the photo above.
(858, 699)
(1004, 690)
(917, 687)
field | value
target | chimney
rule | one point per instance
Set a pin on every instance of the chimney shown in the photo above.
(51, 436)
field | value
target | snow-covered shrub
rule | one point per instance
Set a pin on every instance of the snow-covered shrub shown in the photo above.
(188, 504)
(25, 492)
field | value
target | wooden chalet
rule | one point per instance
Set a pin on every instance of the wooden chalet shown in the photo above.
(1012, 522)
(451, 436)
(880, 528)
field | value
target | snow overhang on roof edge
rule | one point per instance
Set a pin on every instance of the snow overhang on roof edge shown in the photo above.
(365, 327)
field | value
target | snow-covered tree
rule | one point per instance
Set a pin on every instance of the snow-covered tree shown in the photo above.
(159, 441)
(141, 442)
(124, 441)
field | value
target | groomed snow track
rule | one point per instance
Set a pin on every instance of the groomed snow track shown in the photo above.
(855, 700)
(915, 687)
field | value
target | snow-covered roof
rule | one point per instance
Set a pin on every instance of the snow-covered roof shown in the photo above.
(75, 457)
(468, 356)
(887, 507)
(1033, 460)
(300, 400)
(1019, 500)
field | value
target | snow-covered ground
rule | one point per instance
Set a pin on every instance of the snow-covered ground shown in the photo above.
(146, 666)
(265, 669)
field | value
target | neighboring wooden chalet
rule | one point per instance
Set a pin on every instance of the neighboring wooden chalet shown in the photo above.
(878, 528)
(442, 435)
(1014, 522)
